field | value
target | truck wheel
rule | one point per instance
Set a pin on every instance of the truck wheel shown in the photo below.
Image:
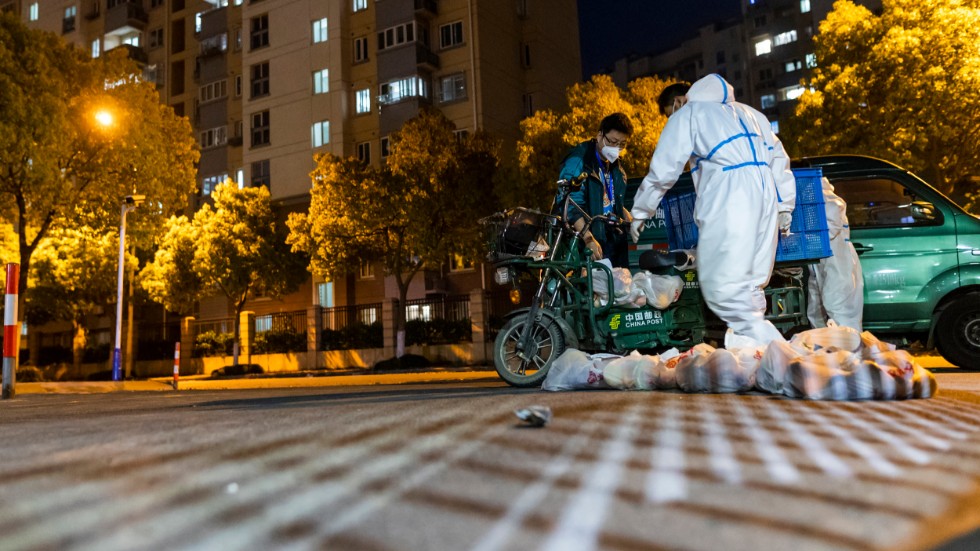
(547, 343)
(958, 332)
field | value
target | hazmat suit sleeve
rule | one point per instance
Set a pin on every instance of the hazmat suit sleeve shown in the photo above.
(669, 158)
(836, 210)
(781, 173)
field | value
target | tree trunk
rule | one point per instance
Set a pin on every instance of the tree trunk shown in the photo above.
(400, 318)
(78, 345)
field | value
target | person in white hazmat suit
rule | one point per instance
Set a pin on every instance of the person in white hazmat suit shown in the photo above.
(835, 289)
(745, 195)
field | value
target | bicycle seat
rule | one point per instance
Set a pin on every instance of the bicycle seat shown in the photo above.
(656, 261)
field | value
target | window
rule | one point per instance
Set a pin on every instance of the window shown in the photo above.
(364, 152)
(360, 5)
(33, 12)
(321, 81)
(763, 47)
(784, 38)
(774, 124)
(96, 48)
(156, 38)
(198, 21)
(260, 80)
(400, 34)
(384, 146)
(240, 177)
(760, 21)
(156, 3)
(321, 133)
(260, 128)
(451, 35)
(794, 65)
(878, 202)
(320, 30)
(452, 87)
(211, 182)
(259, 37)
(804, 6)
(461, 135)
(366, 270)
(214, 90)
(362, 101)
(360, 49)
(68, 23)
(768, 101)
(811, 61)
(260, 173)
(457, 263)
(528, 103)
(522, 9)
(397, 90)
(765, 74)
(214, 44)
(238, 86)
(324, 294)
(526, 55)
(790, 93)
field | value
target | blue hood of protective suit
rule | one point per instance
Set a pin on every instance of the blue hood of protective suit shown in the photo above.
(711, 88)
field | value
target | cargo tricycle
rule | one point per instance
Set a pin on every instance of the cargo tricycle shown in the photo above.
(565, 311)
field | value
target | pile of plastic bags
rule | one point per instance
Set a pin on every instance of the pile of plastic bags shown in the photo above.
(636, 290)
(831, 363)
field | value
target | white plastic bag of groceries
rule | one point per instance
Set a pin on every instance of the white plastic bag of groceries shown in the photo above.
(633, 372)
(576, 370)
(661, 290)
(711, 370)
(818, 375)
(833, 336)
(749, 353)
(899, 375)
(774, 365)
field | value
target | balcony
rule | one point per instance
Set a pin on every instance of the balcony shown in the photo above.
(134, 52)
(426, 8)
(125, 18)
(425, 58)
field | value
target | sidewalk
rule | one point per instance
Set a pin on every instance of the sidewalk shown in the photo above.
(205, 383)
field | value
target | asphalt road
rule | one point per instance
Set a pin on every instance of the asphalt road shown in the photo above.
(449, 466)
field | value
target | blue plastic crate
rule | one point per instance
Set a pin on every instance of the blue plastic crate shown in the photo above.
(808, 239)
(809, 189)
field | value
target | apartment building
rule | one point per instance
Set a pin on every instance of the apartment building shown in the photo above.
(765, 54)
(268, 84)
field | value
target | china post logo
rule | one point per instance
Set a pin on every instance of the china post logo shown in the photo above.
(614, 322)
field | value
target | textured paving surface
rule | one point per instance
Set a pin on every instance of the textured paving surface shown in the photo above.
(451, 468)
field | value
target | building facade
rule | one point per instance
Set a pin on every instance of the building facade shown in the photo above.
(269, 84)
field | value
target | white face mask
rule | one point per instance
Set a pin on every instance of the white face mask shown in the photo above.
(611, 153)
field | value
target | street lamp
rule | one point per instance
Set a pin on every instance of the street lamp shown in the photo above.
(129, 203)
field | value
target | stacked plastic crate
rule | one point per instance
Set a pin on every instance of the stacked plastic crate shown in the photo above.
(808, 238)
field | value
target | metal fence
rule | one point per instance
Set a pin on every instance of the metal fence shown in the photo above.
(294, 322)
(219, 326)
(449, 308)
(340, 317)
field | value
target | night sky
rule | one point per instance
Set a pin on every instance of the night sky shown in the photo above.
(611, 29)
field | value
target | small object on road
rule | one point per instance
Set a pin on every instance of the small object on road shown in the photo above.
(535, 416)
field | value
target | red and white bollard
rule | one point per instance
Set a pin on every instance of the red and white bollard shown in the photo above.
(11, 336)
(176, 365)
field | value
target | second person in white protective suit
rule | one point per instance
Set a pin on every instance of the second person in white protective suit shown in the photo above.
(745, 195)
(836, 286)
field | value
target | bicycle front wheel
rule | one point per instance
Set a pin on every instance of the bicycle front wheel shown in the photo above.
(530, 368)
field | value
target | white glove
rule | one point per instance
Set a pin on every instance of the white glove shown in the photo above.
(785, 219)
(635, 228)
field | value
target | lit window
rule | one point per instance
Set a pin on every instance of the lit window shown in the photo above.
(321, 81)
(198, 21)
(768, 101)
(457, 263)
(320, 30)
(360, 5)
(211, 182)
(794, 65)
(452, 87)
(362, 101)
(34, 12)
(804, 6)
(811, 61)
(321, 133)
(775, 126)
(790, 93)
(763, 47)
(324, 294)
(366, 270)
(397, 90)
(784, 38)
(96, 48)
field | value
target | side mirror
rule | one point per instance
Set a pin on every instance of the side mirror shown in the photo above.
(923, 211)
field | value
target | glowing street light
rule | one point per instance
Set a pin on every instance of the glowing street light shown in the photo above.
(104, 118)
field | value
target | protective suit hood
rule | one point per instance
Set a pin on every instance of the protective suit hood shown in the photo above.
(711, 88)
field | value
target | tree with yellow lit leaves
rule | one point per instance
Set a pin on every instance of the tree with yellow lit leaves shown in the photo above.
(901, 86)
(547, 136)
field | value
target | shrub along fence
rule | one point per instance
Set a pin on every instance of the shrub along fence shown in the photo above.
(351, 327)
